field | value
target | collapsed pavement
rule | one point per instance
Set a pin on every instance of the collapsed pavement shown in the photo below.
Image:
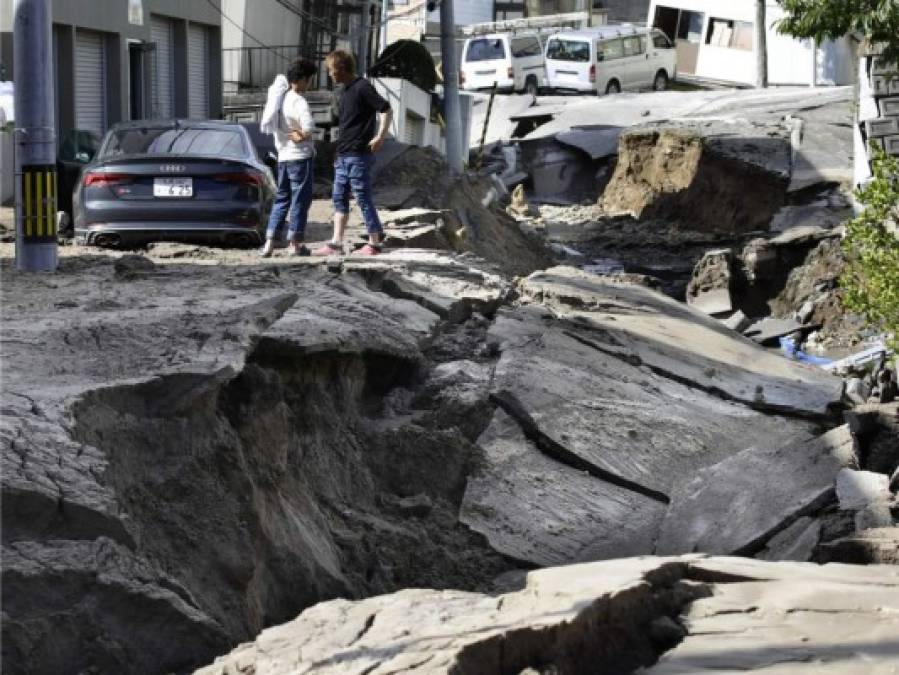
(195, 452)
(197, 447)
(654, 616)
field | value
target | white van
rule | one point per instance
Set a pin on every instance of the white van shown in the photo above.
(610, 59)
(513, 61)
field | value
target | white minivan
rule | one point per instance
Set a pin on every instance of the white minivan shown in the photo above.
(610, 59)
(512, 61)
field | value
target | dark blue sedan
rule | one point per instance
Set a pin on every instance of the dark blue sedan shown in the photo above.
(178, 180)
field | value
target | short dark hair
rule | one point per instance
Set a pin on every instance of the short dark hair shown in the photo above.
(301, 69)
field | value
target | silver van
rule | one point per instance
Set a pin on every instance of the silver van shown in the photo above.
(610, 59)
(512, 61)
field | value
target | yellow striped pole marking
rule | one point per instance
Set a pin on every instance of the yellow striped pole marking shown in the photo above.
(39, 202)
(26, 177)
(51, 205)
(55, 202)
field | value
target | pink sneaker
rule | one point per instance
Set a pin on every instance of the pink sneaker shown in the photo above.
(328, 249)
(368, 249)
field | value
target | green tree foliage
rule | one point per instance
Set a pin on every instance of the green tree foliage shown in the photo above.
(877, 20)
(871, 245)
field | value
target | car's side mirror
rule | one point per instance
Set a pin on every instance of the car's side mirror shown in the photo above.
(272, 156)
(83, 157)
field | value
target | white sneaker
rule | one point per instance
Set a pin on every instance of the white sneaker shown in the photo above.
(266, 251)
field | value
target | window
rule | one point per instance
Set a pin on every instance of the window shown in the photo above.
(608, 50)
(485, 50)
(660, 40)
(568, 50)
(690, 26)
(185, 141)
(526, 46)
(633, 46)
(730, 34)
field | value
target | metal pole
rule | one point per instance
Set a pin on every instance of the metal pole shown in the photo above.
(385, 16)
(761, 45)
(366, 37)
(35, 137)
(451, 87)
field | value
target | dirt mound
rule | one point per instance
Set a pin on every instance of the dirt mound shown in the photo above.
(696, 182)
(420, 178)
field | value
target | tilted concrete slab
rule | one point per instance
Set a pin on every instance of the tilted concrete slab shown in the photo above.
(684, 344)
(719, 615)
(735, 506)
(534, 508)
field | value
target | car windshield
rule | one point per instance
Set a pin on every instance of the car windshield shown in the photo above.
(568, 50)
(183, 141)
(485, 50)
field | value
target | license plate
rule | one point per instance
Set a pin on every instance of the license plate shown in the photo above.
(173, 187)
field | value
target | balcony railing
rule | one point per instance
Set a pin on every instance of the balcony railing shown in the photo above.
(247, 69)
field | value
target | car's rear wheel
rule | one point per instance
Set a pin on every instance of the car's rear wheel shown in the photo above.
(660, 83)
(613, 87)
(531, 87)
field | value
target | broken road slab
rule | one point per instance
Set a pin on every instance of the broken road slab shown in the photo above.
(534, 508)
(728, 615)
(735, 506)
(684, 344)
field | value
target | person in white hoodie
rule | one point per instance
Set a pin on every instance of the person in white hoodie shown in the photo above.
(292, 124)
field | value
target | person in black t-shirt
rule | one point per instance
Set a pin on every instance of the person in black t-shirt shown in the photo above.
(360, 136)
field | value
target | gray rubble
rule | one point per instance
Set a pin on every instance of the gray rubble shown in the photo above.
(738, 504)
(721, 614)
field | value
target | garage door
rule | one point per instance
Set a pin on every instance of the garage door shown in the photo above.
(162, 34)
(198, 72)
(90, 81)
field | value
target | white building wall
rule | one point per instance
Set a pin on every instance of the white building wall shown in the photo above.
(467, 12)
(790, 61)
(273, 26)
(407, 101)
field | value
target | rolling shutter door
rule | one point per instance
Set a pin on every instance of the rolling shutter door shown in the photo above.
(90, 82)
(162, 34)
(197, 72)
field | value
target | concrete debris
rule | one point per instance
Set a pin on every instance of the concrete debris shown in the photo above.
(818, 214)
(766, 331)
(683, 344)
(520, 206)
(858, 489)
(738, 321)
(878, 546)
(857, 390)
(735, 506)
(796, 542)
(651, 615)
(598, 141)
(709, 287)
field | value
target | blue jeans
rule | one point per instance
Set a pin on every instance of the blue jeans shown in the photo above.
(294, 193)
(352, 173)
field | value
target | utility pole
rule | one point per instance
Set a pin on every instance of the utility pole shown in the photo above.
(366, 37)
(450, 87)
(385, 16)
(761, 45)
(35, 137)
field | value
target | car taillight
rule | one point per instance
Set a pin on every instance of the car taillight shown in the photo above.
(593, 73)
(510, 72)
(105, 178)
(239, 178)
